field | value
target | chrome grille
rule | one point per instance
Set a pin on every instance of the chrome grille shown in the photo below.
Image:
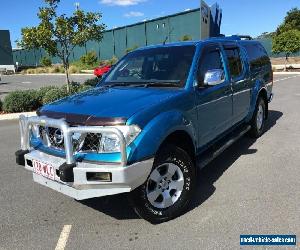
(91, 143)
(53, 138)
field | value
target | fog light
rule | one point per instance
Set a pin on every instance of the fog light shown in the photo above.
(98, 176)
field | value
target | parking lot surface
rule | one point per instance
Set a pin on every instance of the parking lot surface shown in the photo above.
(10, 83)
(252, 188)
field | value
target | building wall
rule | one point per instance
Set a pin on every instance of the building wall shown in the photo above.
(205, 20)
(6, 57)
(115, 42)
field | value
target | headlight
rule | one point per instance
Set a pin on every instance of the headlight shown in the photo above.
(110, 143)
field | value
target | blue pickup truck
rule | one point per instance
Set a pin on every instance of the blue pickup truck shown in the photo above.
(157, 117)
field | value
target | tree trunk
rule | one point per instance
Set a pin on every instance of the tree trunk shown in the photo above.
(67, 79)
(285, 62)
(66, 66)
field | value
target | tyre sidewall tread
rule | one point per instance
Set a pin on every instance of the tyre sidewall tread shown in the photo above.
(169, 154)
(254, 131)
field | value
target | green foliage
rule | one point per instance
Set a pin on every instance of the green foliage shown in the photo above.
(74, 86)
(21, 101)
(56, 69)
(46, 61)
(113, 61)
(291, 21)
(42, 92)
(287, 37)
(131, 49)
(287, 42)
(186, 38)
(89, 58)
(91, 82)
(54, 95)
(39, 70)
(58, 34)
(31, 100)
(265, 35)
(74, 69)
(82, 88)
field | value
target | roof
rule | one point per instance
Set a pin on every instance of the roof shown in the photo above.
(196, 42)
(155, 19)
(173, 44)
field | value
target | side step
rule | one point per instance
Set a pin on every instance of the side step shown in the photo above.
(218, 148)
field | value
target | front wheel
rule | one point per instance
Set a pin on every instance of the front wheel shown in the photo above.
(168, 190)
(258, 119)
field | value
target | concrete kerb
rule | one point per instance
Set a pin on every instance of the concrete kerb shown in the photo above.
(15, 116)
(286, 73)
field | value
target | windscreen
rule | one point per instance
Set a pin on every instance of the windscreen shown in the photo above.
(154, 65)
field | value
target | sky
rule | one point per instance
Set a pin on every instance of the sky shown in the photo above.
(247, 17)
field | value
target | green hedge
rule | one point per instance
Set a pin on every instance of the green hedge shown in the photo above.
(30, 100)
(92, 82)
(54, 95)
(42, 92)
(21, 101)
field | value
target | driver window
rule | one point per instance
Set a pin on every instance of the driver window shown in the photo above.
(210, 59)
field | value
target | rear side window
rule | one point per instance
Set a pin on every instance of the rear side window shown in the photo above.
(257, 55)
(234, 60)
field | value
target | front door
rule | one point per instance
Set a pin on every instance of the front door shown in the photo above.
(214, 103)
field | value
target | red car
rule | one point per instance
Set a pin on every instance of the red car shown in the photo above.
(101, 70)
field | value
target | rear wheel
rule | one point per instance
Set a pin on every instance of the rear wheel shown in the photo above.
(168, 190)
(258, 119)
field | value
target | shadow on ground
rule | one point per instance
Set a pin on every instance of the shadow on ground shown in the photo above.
(117, 206)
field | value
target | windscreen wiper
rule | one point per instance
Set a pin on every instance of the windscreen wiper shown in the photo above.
(125, 84)
(146, 84)
(173, 83)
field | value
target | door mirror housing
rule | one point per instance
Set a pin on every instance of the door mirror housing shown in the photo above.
(213, 77)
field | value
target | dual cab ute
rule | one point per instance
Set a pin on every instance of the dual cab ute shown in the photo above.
(157, 116)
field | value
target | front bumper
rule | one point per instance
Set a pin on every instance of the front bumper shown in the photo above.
(70, 175)
(123, 179)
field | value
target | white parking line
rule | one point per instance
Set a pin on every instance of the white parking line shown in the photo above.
(63, 238)
(26, 82)
(286, 78)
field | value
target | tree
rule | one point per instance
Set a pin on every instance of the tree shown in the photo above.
(265, 35)
(287, 36)
(291, 21)
(89, 59)
(46, 61)
(186, 38)
(131, 49)
(59, 34)
(287, 42)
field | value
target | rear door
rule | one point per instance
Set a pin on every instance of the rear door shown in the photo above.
(240, 80)
(214, 103)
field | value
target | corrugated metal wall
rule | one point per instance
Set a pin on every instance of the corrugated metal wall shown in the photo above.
(6, 57)
(115, 42)
(267, 43)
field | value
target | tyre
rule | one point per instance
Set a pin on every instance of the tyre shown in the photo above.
(168, 190)
(258, 120)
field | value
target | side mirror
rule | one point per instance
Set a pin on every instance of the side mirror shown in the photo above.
(213, 77)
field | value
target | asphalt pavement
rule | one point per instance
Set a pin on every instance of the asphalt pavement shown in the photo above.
(252, 188)
(10, 83)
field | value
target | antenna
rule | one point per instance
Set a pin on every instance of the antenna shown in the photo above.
(167, 37)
